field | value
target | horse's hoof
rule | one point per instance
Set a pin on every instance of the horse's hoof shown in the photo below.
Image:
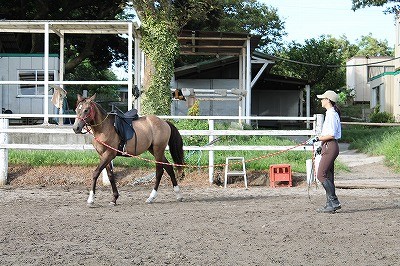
(179, 199)
(150, 200)
(112, 203)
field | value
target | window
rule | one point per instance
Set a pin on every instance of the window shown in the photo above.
(377, 70)
(33, 75)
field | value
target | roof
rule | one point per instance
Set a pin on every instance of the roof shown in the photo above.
(194, 42)
(221, 62)
(67, 26)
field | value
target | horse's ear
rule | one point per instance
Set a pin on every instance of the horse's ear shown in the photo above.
(93, 97)
(80, 98)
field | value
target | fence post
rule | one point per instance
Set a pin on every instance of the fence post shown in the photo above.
(319, 121)
(3, 152)
(210, 153)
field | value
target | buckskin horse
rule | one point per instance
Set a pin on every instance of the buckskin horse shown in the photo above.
(151, 134)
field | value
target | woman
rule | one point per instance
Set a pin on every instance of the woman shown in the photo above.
(331, 132)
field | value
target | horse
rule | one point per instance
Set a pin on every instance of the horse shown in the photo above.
(151, 134)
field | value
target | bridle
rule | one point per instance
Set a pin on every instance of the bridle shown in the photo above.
(90, 115)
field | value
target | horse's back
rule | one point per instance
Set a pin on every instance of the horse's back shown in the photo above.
(152, 129)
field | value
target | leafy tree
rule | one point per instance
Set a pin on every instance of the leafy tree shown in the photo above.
(101, 50)
(161, 22)
(253, 17)
(317, 61)
(369, 46)
(357, 4)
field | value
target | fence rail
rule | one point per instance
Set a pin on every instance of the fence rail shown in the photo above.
(211, 133)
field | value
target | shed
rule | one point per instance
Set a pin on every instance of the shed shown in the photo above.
(215, 83)
(26, 98)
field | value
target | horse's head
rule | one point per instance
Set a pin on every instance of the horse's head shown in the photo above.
(84, 113)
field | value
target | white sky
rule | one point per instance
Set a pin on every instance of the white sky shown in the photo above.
(306, 19)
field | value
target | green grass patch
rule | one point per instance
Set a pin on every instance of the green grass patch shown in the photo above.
(375, 141)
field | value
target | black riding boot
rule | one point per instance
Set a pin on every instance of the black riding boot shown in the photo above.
(332, 202)
(333, 198)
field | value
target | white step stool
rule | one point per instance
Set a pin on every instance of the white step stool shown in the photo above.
(235, 172)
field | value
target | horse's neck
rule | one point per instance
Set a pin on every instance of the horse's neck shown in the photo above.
(103, 122)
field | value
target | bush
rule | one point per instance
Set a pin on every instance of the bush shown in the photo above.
(381, 117)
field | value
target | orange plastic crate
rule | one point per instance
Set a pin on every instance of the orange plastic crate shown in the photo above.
(280, 173)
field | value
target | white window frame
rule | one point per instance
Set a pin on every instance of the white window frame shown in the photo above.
(33, 75)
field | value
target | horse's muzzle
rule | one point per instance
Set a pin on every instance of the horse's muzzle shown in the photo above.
(77, 127)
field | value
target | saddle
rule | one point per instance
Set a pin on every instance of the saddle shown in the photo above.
(123, 126)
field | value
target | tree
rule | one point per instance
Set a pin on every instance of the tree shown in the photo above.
(357, 4)
(253, 17)
(369, 46)
(318, 61)
(161, 21)
(248, 16)
(102, 50)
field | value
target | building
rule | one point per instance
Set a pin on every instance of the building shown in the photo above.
(360, 70)
(384, 84)
(26, 98)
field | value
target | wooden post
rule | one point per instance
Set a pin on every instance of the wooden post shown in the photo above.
(3, 152)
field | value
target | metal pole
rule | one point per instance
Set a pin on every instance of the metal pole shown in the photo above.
(61, 77)
(3, 152)
(248, 80)
(130, 65)
(211, 153)
(308, 110)
(46, 75)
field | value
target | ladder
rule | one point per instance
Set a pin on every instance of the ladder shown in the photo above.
(235, 172)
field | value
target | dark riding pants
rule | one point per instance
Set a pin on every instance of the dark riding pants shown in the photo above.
(326, 168)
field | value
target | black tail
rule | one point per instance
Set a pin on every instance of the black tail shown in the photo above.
(175, 144)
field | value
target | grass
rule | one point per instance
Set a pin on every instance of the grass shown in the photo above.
(375, 141)
(260, 160)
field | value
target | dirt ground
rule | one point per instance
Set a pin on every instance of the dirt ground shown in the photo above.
(45, 221)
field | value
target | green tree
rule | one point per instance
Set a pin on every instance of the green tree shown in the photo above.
(369, 46)
(253, 17)
(161, 22)
(102, 50)
(318, 61)
(394, 9)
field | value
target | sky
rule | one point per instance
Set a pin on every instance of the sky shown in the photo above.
(306, 19)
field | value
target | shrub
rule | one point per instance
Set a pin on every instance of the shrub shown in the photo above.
(381, 117)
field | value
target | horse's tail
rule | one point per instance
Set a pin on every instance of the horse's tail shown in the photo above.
(175, 144)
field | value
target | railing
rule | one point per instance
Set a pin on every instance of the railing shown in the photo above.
(315, 121)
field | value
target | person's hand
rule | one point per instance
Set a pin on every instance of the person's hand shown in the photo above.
(311, 141)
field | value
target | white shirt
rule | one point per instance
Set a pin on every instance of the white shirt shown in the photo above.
(331, 126)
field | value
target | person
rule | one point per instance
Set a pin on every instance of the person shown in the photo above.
(331, 132)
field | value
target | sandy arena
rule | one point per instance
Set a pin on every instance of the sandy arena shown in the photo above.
(47, 224)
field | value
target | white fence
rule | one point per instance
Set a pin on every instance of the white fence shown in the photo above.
(315, 122)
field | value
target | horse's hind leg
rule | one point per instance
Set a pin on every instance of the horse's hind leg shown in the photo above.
(159, 173)
(171, 173)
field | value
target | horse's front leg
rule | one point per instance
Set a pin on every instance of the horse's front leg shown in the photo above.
(111, 177)
(95, 175)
